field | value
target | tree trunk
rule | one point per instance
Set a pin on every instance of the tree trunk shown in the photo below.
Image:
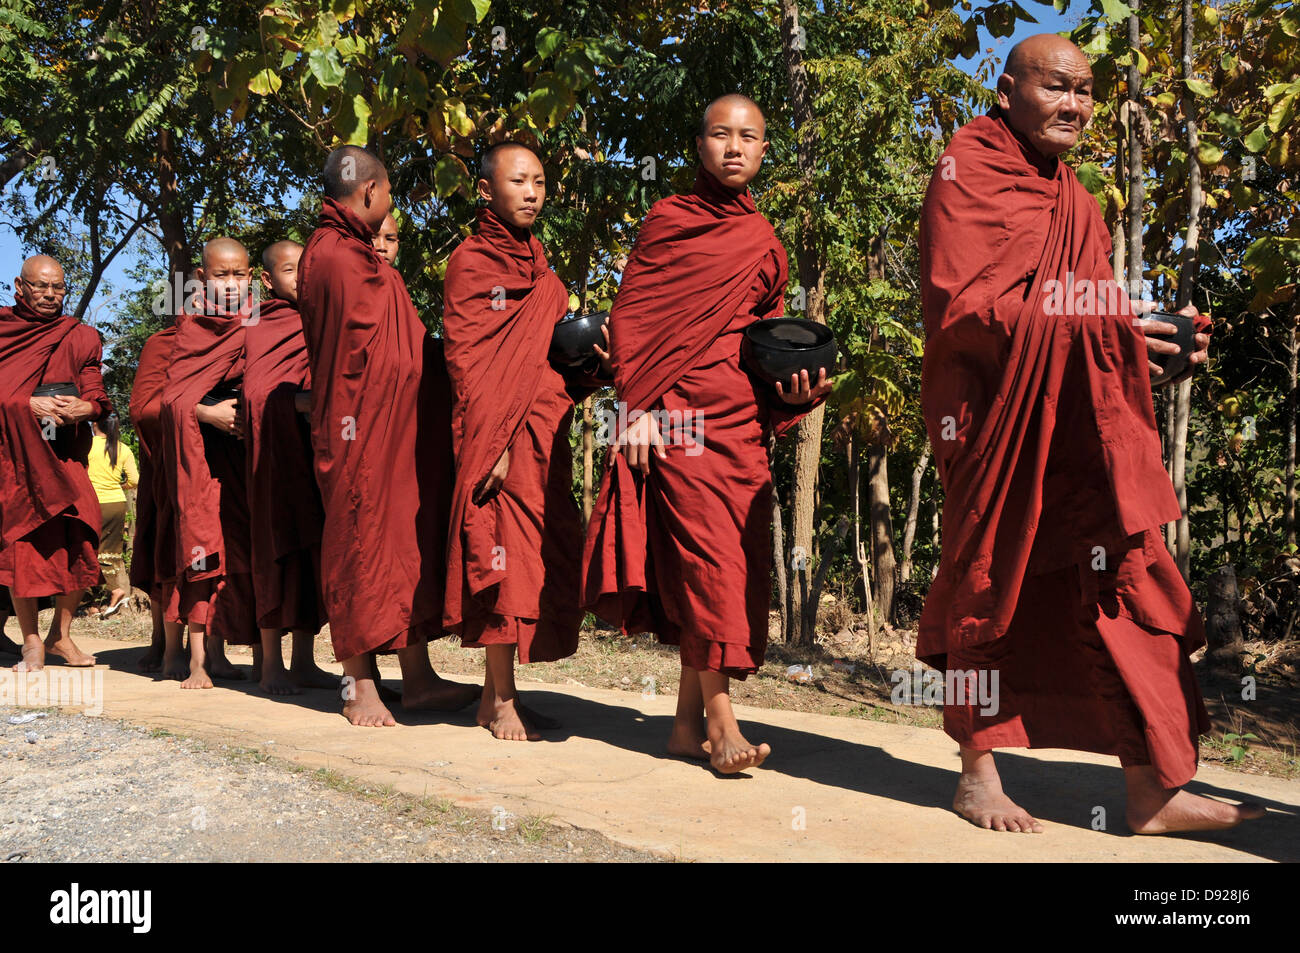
(913, 507)
(1293, 351)
(883, 565)
(171, 218)
(808, 434)
(1222, 620)
(1136, 189)
(778, 561)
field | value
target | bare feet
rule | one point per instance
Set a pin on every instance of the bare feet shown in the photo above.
(362, 707)
(276, 681)
(313, 677)
(33, 655)
(175, 665)
(152, 660)
(66, 649)
(219, 667)
(505, 721)
(389, 696)
(1170, 811)
(440, 695)
(729, 752)
(689, 742)
(198, 677)
(981, 801)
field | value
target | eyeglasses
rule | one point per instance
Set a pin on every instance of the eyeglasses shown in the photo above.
(59, 288)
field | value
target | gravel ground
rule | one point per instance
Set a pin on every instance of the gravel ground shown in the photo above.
(77, 788)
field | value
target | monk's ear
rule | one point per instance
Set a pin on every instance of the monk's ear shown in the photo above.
(1006, 87)
(484, 190)
(266, 279)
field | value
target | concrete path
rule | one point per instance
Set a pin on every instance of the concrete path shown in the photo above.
(835, 789)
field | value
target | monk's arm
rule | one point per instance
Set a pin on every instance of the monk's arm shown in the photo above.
(93, 403)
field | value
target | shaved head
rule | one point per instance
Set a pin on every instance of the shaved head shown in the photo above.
(1045, 92)
(513, 183)
(280, 269)
(41, 285)
(225, 274)
(494, 157)
(279, 250)
(350, 167)
(223, 248)
(725, 103)
(732, 140)
(386, 240)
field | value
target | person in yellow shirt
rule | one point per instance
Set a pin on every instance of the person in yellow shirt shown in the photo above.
(112, 472)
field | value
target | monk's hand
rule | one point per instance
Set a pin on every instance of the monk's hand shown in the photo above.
(494, 480)
(1202, 352)
(639, 440)
(1155, 345)
(606, 365)
(49, 408)
(802, 391)
(223, 416)
(74, 409)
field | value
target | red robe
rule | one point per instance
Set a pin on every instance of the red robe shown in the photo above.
(687, 553)
(1052, 572)
(49, 514)
(283, 500)
(513, 562)
(205, 511)
(380, 430)
(146, 419)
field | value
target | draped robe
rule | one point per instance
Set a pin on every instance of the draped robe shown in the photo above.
(146, 420)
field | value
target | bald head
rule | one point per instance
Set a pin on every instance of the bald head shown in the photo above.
(386, 240)
(513, 183)
(497, 155)
(41, 285)
(280, 270)
(732, 140)
(356, 179)
(1045, 92)
(225, 273)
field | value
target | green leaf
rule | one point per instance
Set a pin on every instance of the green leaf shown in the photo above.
(549, 40)
(450, 175)
(1257, 140)
(351, 121)
(265, 82)
(1091, 177)
(1115, 10)
(325, 66)
(1200, 88)
(458, 120)
(1209, 154)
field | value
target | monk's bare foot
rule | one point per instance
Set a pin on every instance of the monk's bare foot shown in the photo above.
(506, 723)
(33, 656)
(1180, 811)
(198, 678)
(278, 682)
(175, 666)
(729, 752)
(689, 742)
(441, 695)
(982, 802)
(66, 649)
(152, 660)
(364, 709)
(220, 668)
(313, 677)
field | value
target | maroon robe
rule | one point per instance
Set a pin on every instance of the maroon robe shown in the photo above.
(49, 514)
(146, 420)
(687, 552)
(513, 561)
(1052, 573)
(283, 501)
(381, 439)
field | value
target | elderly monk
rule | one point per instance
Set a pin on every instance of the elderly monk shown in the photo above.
(49, 514)
(386, 240)
(684, 549)
(146, 421)
(1057, 613)
(514, 550)
(283, 501)
(380, 431)
(205, 514)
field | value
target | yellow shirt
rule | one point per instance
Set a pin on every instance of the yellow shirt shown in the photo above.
(111, 482)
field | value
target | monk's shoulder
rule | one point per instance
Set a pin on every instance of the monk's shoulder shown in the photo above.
(85, 339)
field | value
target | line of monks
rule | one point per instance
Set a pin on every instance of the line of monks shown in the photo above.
(316, 456)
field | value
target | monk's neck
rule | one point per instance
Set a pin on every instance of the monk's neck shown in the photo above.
(1046, 165)
(518, 233)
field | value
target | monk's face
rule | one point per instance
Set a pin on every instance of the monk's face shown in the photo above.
(386, 241)
(517, 189)
(281, 279)
(225, 275)
(41, 285)
(733, 144)
(1049, 102)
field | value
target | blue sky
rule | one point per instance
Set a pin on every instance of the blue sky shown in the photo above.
(12, 251)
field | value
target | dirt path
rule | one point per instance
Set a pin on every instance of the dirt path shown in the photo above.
(835, 789)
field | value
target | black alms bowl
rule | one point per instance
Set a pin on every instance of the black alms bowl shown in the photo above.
(1172, 365)
(775, 348)
(60, 389)
(574, 337)
(226, 390)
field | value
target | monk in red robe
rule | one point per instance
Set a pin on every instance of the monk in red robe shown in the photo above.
(683, 549)
(514, 551)
(380, 429)
(283, 502)
(387, 241)
(49, 514)
(1057, 615)
(205, 514)
(146, 421)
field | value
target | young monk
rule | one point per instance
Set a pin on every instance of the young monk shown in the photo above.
(685, 551)
(381, 438)
(1053, 575)
(49, 514)
(386, 240)
(146, 420)
(283, 501)
(513, 554)
(206, 511)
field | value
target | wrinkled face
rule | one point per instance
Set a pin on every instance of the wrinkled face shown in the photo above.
(41, 286)
(1050, 103)
(281, 279)
(386, 241)
(733, 144)
(225, 275)
(517, 190)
